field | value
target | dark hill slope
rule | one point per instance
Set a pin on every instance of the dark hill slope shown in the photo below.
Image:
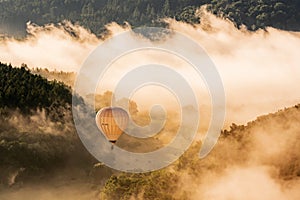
(26, 92)
(259, 14)
(94, 15)
(37, 134)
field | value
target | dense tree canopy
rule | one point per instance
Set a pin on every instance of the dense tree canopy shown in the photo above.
(257, 14)
(94, 14)
(20, 89)
(27, 139)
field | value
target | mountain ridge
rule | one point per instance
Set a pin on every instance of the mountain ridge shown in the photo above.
(94, 15)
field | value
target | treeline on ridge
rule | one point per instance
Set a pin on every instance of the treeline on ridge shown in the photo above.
(26, 92)
(39, 146)
(94, 15)
(260, 14)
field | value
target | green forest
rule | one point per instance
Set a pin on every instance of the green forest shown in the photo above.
(36, 127)
(28, 92)
(256, 14)
(95, 14)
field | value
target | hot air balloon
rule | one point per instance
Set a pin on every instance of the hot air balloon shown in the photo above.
(112, 121)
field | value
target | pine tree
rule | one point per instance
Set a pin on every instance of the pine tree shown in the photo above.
(166, 8)
(136, 13)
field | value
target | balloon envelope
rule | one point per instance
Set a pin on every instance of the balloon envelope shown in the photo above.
(112, 121)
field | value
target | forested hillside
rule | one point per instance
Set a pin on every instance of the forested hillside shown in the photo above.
(259, 14)
(271, 141)
(37, 135)
(27, 92)
(95, 14)
(67, 78)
